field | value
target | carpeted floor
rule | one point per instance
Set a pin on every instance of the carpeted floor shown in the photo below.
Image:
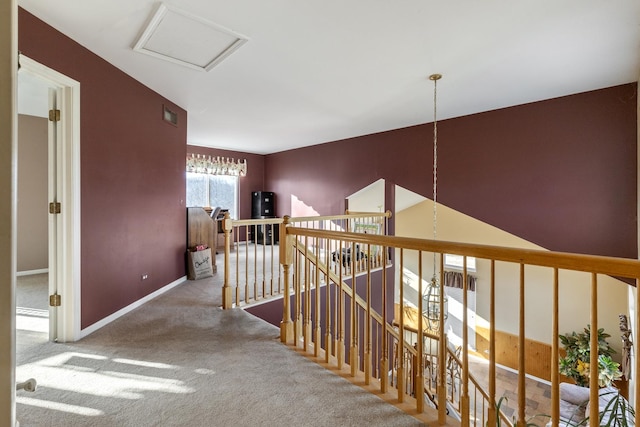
(182, 361)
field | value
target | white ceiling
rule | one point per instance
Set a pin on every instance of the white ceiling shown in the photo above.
(315, 71)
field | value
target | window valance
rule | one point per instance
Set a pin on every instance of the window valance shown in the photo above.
(217, 165)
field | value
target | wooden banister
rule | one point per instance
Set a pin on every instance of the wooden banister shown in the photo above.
(311, 258)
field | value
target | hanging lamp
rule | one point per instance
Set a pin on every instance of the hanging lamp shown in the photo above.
(434, 293)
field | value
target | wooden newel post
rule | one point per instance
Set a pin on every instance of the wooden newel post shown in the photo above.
(227, 226)
(286, 259)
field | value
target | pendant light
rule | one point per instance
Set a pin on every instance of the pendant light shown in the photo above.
(434, 293)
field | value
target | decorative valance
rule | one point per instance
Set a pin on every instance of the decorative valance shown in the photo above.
(455, 279)
(216, 165)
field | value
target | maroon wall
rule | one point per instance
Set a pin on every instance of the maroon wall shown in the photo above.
(560, 173)
(253, 181)
(133, 214)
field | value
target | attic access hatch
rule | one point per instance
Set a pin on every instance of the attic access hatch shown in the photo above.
(186, 39)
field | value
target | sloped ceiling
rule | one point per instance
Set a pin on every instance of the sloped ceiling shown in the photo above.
(316, 71)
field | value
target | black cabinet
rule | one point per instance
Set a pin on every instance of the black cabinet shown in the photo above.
(263, 204)
(265, 234)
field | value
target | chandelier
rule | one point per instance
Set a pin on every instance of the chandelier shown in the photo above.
(434, 297)
(216, 165)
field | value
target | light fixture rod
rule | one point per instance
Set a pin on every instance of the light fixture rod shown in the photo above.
(435, 78)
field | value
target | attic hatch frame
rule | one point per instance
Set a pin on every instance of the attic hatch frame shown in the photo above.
(163, 15)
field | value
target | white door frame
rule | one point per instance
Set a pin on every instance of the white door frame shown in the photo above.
(64, 230)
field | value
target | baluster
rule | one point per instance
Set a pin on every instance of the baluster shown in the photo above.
(336, 310)
(297, 322)
(401, 386)
(354, 356)
(492, 420)
(227, 225)
(419, 375)
(442, 355)
(522, 391)
(246, 269)
(593, 361)
(286, 246)
(383, 368)
(367, 325)
(375, 335)
(280, 274)
(327, 307)
(414, 369)
(307, 296)
(555, 355)
(246, 253)
(340, 311)
(269, 277)
(464, 398)
(264, 267)
(318, 331)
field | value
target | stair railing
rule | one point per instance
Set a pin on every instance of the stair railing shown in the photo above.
(345, 319)
(252, 270)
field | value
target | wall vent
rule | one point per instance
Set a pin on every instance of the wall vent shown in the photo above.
(169, 116)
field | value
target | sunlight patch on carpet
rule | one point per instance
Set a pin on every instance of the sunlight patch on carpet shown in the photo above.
(57, 406)
(32, 319)
(100, 376)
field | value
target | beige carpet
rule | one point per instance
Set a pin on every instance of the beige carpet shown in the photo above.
(182, 361)
(32, 319)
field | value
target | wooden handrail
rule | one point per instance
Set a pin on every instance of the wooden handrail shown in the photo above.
(348, 215)
(621, 267)
(259, 221)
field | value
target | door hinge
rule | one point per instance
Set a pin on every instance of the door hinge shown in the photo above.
(55, 300)
(54, 115)
(54, 208)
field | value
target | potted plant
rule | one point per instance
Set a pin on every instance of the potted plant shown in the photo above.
(575, 364)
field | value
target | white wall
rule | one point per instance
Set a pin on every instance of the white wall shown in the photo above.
(417, 221)
(32, 219)
(369, 199)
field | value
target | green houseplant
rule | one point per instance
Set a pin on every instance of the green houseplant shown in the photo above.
(575, 364)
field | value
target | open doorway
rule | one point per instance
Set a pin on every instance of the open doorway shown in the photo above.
(59, 162)
(32, 257)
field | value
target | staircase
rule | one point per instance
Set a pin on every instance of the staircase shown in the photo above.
(337, 297)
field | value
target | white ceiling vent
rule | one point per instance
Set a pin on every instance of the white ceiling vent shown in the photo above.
(186, 39)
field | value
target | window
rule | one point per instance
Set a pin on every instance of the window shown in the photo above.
(213, 190)
(456, 262)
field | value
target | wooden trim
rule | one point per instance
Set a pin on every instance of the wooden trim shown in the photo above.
(537, 354)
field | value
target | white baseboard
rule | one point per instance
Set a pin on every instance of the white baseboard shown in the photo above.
(32, 272)
(104, 322)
